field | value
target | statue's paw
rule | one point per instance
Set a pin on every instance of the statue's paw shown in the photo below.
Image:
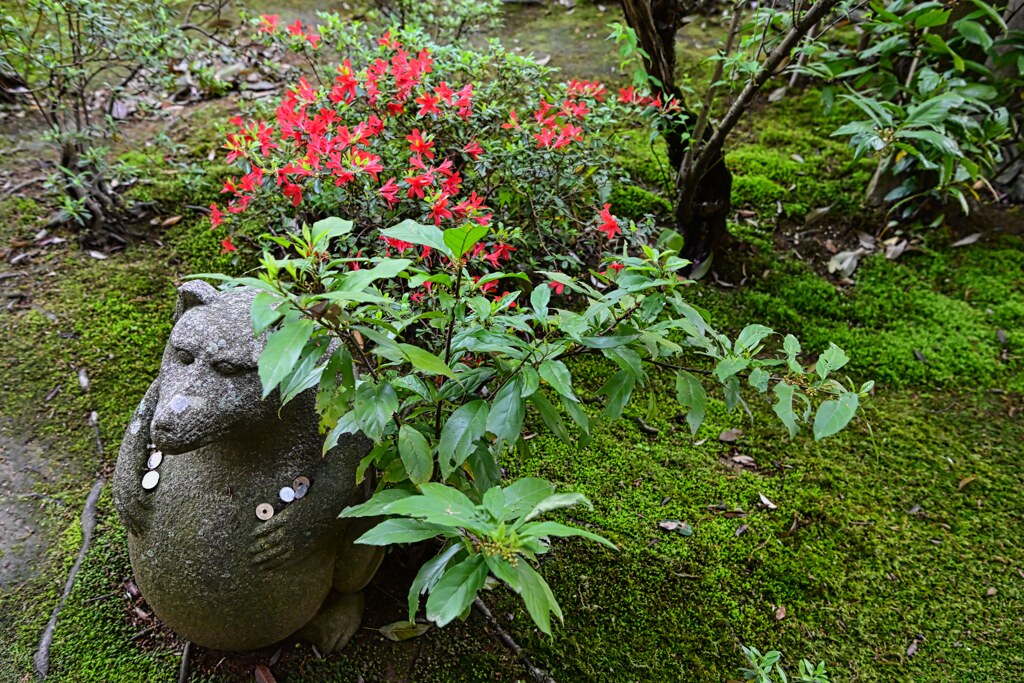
(274, 543)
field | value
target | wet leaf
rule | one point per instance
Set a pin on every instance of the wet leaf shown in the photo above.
(964, 482)
(263, 675)
(730, 435)
(678, 527)
(742, 530)
(780, 613)
(970, 239)
(767, 503)
(991, 592)
(173, 220)
(815, 215)
(403, 630)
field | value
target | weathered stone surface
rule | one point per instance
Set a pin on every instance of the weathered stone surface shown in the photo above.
(207, 565)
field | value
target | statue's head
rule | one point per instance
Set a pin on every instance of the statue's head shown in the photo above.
(209, 385)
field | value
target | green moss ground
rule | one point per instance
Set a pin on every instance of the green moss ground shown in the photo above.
(874, 543)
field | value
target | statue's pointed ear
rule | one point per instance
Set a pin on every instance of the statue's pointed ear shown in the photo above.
(193, 293)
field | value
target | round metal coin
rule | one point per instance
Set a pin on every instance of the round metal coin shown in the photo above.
(155, 458)
(300, 481)
(264, 511)
(287, 494)
(300, 491)
(150, 480)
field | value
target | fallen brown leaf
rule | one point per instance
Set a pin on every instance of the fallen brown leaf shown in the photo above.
(741, 530)
(964, 482)
(730, 435)
(780, 613)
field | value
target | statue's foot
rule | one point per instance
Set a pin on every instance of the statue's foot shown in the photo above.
(336, 622)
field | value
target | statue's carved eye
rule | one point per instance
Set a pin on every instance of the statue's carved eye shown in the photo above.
(227, 368)
(184, 357)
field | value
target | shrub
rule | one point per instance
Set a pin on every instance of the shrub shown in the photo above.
(405, 129)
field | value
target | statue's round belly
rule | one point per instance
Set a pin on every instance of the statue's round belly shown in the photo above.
(196, 566)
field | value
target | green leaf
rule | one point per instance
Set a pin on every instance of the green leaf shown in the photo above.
(463, 427)
(358, 280)
(974, 33)
(439, 504)
(540, 601)
(282, 352)
(420, 234)
(267, 309)
(461, 239)
(524, 494)
(609, 342)
(508, 410)
(545, 529)
(759, 379)
(456, 590)
(503, 571)
(727, 367)
(750, 337)
(831, 360)
(784, 407)
(935, 17)
(376, 505)
(428, 576)
(618, 389)
(374, 405)
(416, 454)
(329, 228)
(425, 361)
(555, 373)
(691, 396)
(392, 531)
(529, 381)
(832, 416)
(550, 416)
(539, 299)
(553, 502)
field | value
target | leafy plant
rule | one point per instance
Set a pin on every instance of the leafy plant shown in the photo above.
(932, 85)
(418, 350)
(765, 668)
(446, 21)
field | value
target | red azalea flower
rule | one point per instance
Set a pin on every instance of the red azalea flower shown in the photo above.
(216, 217)
(296, 29)
(389, 191)
(546, 136)
(418, 183)
(556, 286)
(444, 92)
(474, 150)
(514, 120)
(313, 40)
(615, 267)
(420, 145)
(452, 184)
(305, 91)
(440, 209)
(268, 22)
(227, 246)
(294, 191)
(609, 226)
(428, 105)
(501, 251)
(400, 245)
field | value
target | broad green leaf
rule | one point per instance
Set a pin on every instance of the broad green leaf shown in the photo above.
(374, 405)
(539, 299)
(750, 337)
(503, 571)
(282, 352)
(935, 17)
(267, 309)
(358, 280)
(523, 494)
(375, 506)
(550, 415)
(438, 504)
(578, 415)
(833, 415)
(759, 379)
(456, 590)
(428, 576)
(784, 407)
(529, 381)
(329, 228)
(974, 33)
(425, 361)
(403, 531)
(555, 373)
(418, 233)
(691, 395)
(505, 419)
(555, 501)
(831, 360)
(618, 389)
(727, 367)
(460, 240)
(463, 427)
(609, 342)
(416, 454)
(545, 529)
(540, 601)
(494, 502)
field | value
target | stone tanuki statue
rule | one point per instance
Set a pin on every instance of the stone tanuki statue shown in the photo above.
(230, 507)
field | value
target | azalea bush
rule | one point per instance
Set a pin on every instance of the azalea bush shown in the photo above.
(442, 357)
(398, 128)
